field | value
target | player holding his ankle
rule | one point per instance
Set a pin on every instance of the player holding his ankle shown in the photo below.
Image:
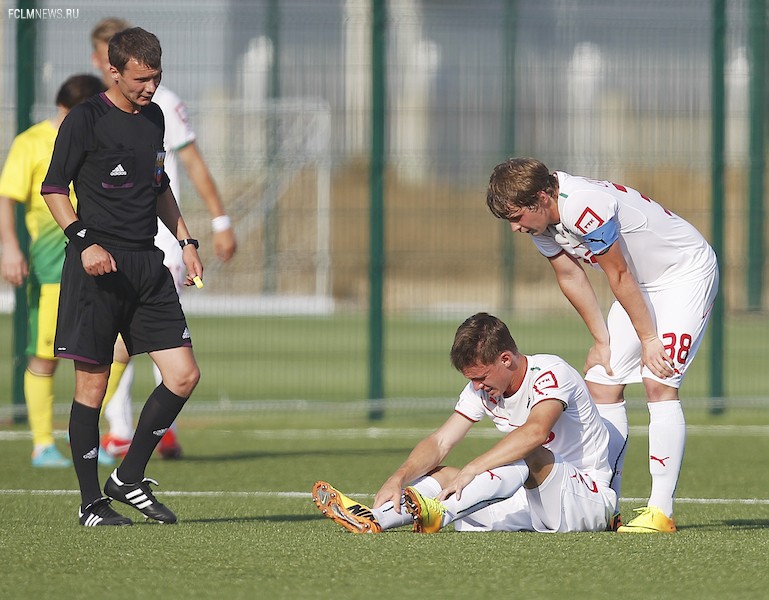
(549, 473)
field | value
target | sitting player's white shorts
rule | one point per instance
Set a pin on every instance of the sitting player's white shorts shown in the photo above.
(681, 313)
(567, 501)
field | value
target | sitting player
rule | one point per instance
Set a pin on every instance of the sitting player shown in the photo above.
(550, 472)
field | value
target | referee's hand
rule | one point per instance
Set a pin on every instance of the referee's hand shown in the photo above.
(193, 263)
(97, 261)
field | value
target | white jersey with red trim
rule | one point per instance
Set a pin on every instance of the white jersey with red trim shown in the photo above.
(578, 436)
(178, 134)
(661, 248)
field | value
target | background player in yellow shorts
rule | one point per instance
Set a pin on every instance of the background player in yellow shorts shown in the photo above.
(20, 181)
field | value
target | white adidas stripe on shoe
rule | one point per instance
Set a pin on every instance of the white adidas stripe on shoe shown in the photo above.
(139, 495)
(99, 512)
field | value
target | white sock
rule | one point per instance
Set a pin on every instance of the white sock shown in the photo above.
(487, 488)
(667, 439)
(615, 418)
(156, 374)
(386, 515)
(118, 411)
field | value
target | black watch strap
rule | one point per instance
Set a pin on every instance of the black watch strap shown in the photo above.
(189, 241)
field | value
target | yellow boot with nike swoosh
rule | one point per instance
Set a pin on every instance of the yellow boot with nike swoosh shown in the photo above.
(348, 513)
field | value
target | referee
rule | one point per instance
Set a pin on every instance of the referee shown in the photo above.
(114, 281)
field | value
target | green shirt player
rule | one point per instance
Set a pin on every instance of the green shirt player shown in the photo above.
(20, 181)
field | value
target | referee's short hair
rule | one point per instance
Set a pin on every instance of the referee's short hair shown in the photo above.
(137, 43)
(77, 89)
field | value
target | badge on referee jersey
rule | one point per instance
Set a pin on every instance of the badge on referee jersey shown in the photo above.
(160, 159)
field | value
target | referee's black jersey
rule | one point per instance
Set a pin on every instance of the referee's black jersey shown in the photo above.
(115, 160)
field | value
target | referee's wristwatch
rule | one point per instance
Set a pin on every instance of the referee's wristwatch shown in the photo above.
(189, 241)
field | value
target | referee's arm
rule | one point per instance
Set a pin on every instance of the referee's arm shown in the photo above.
(61, 209)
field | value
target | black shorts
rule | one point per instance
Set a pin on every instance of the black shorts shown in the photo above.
(139, 301)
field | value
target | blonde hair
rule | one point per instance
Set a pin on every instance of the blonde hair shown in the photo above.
(106, 28)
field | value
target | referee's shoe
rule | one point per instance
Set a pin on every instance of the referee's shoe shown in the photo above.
(140, 497)
(99, 512)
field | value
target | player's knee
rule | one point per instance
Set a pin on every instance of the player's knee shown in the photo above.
(539, 461)
(443, 474)
(41, 366)
(183, 381)
(659, 392)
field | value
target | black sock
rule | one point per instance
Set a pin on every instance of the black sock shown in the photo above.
(157, 416)
(84, 443)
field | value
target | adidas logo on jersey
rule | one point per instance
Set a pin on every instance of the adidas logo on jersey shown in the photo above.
(186, 334)
(118, 171)
(91, 454)
(81, 233)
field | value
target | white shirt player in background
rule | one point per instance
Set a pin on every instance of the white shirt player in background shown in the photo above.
(179, 142)
(664, 276)
(549, 473)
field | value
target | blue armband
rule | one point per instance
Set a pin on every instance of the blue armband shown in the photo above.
(602, 238)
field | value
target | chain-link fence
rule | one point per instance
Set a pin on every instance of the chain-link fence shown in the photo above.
(279, 94)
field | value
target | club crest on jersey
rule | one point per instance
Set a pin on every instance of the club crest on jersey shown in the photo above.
(588, 221)
(546, 381)
(160, 159)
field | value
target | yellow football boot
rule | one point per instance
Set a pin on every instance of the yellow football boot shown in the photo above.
(426, 512)
(650, 519)
(351, 515)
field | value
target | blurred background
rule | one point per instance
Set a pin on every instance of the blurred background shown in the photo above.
(352, 142)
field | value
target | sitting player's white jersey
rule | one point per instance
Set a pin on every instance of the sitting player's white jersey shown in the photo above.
(579, 436)
(661, 248)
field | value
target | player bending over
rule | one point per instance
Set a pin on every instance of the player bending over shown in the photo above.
(664, 276)
(549, 473)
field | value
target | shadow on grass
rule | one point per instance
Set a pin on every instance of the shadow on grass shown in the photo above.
(264, 518)
(739, 524)
(256, 455)
(747, 523)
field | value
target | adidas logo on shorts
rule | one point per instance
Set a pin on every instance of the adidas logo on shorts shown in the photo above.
(186, 334)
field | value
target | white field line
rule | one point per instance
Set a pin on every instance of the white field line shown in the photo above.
(227, 408)
(307, 495)
(383, 433)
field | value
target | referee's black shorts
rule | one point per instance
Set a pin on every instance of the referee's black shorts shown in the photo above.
(139, 301)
